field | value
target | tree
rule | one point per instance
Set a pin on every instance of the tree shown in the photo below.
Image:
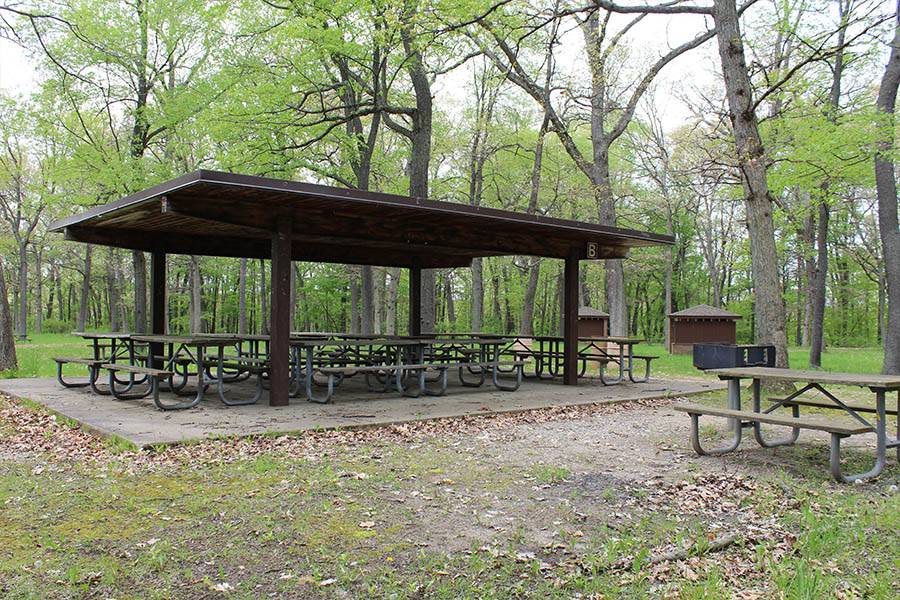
(608, 116)
(7, 345)
(886, 183)
(752, 160)
(22, 199)
(143, 68)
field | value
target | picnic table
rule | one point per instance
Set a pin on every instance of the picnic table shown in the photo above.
(819, 381)
(105, 347)
(547, 353)
(392, 360)
(186, 356)
(170, 362)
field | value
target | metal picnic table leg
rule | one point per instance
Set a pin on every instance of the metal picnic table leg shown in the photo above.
(198, 360)
(622, 370)
(734, 403)
(220, 379)
(757, 431)
(308, 380)
(495, 372)
(880, 446)
(631, 376)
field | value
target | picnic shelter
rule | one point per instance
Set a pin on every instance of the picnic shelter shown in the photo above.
(225, 214)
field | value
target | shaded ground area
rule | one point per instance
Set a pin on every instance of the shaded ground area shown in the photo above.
(142, 424)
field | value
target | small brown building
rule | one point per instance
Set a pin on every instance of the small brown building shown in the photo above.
(701, 324)
(592, 322)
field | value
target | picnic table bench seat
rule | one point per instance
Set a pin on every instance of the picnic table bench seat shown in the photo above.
(237, 365)
(152, 378)
(90, 363)
(843, 428)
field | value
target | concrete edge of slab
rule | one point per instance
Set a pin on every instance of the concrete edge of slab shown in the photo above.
(110, 436)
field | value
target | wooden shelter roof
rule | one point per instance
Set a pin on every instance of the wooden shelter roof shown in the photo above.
(705, 311)
(225, 214)
(586, 312)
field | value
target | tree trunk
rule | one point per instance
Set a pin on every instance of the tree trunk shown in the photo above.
(495, 286)
(809, 266)
(7, 344)
(263, 298)
(817, 329)
(477, 294)
(882, 297)
(59, 295)
(770, 313)
(305, 325)
(885, 180)
(559, 303)
(85, 289)
(38, 292)
(508, 324)
(354, 299)
(242, 298)
(599, 174)
(448, 298)
(390, 304)
(196, 320)
(22, 325)
(798, 330)
(112, 296)
(378, 303)
(120, 284)
(367, 293)
(420, 146)
(526, 325)
(140, 291)
(51, 298)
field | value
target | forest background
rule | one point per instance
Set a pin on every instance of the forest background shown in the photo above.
(621, 115)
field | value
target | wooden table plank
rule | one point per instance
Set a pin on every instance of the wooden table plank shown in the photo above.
(881, 382)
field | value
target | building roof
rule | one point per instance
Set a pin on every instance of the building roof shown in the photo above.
(705, 311)
(588, 312)
(226, 214)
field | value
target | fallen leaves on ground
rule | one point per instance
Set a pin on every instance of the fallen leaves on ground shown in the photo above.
(31, 431)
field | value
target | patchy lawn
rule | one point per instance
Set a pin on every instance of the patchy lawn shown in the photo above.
(591, 502)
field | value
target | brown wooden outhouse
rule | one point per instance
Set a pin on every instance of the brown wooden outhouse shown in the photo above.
(592, 322)
(701, 324)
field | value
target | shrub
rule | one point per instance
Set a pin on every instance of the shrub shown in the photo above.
(57, 326)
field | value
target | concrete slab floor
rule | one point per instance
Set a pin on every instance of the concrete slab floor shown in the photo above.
(142, 424)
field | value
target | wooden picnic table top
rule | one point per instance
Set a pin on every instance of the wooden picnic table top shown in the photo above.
(471, 341)
(103, 335)
(880, 382)
(199, 339)
(321, 342)
(615, 339)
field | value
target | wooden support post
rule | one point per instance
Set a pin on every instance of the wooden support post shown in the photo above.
(157, 303)
(570, 332)
(415, 297)
(280, 321)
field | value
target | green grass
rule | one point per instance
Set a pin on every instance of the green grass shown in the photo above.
(34, 356)
(285, 526)
(849, 360)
